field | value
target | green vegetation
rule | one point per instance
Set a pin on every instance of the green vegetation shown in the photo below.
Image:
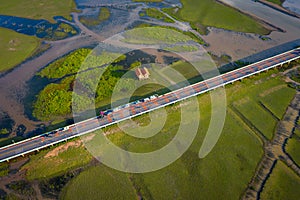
(62, 31)
(189, 34)
(282, 184)
(154, 35)
(255, 114)
(109, 184)
(103, 15)
(295, 76)
(21, 187)
(211, 13)
(278, 2)
(38, 9)
(56, 161)
(15, 48)
(155, 13)
(276, 99)
(67, 65)
(227, 169)
(55, 100)
(258, 117)
(182, 48)
(293, 148)
(4, 131)
(4, 169)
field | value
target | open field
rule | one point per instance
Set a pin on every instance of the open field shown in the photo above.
(57, 160)
(154, 35)
(277, 98)
(227, 169)
(232, 161)
(38, 9)
(210, 13)
(100, 187)
(282, 184)
(293, 149)
(15, 48)
(258, 117)
(265, 91)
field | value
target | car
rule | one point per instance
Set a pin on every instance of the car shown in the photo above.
(64, 128)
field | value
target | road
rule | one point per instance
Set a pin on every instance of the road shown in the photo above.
(84, 127)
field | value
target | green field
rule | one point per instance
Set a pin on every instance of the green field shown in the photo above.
(154, 35)
(15, 48)
(258, 117)
(273, 101)
(211, 13)
(227, 169)
(38, 9)
(275, 96)
(97, 183)
(42, 166)
(282, 184)
(293, 149)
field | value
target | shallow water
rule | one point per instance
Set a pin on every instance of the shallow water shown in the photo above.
(40, 28)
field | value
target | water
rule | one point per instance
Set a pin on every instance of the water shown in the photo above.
(40, 28)
(292, 5)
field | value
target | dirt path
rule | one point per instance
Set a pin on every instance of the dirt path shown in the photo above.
(275, 150)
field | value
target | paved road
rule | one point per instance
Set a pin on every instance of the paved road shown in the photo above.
(145, 106)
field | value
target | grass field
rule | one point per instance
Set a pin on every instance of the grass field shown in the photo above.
(227, 169)
(258, 117)
(293, 148)
(265, 91)
(97, 183)
(38, 9)
(42, 166)
(154, 35)
(15, 48)
(210, 13)
(282, 184)
(274, 100)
